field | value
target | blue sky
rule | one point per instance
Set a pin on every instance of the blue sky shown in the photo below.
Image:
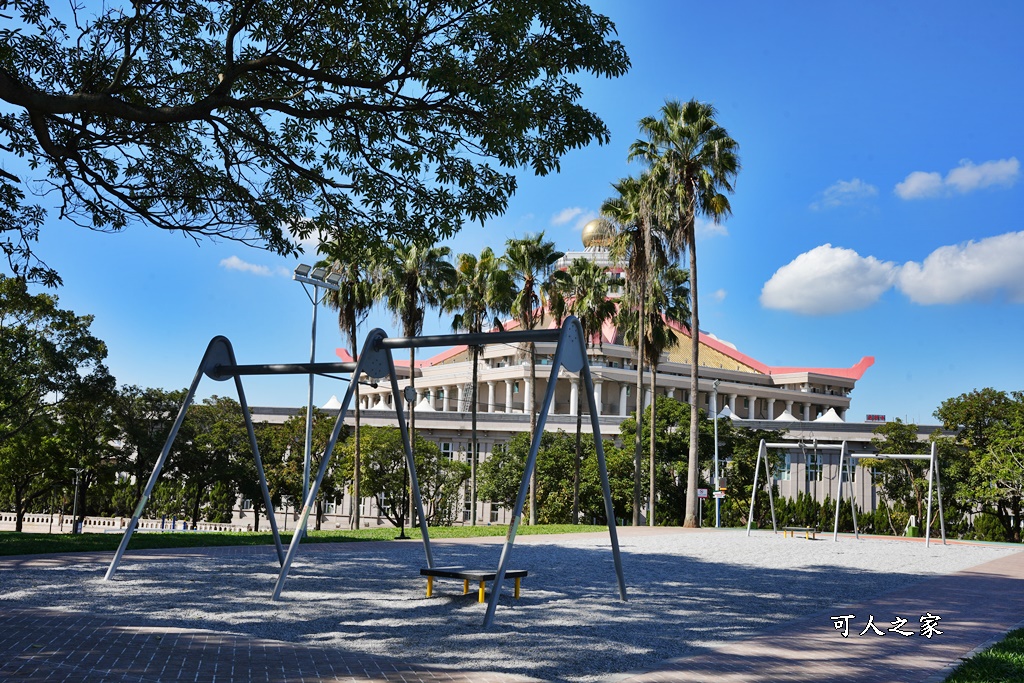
(878, 211)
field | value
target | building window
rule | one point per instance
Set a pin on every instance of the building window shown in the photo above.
(247, 504)
(853, 470)
(494, 512)
(785, 470)
(814, 467)
(447, 449)
(467, 510)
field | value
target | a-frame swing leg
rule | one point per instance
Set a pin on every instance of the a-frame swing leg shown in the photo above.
(839, 495)
(571, 354)
(762, 451)
(403, 427)
(374, 362)
(267, 502)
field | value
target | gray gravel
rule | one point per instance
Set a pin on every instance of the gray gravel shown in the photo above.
(686, 591)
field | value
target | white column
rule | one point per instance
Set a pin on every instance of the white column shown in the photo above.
(446, 403)
(807, 412)
(574, 395)
(789, 407)
(771, 408)
(647, 398)
(751, 413)
(842, 413)
(490, 397)
(623, 398)
(598, 391)
(671, 392)
(554, 400)
(528, 397)
(508, 395)
(461, 407)
(732, 403)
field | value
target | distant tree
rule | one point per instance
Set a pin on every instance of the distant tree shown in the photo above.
(901, 483)
(45, 352)
(530, 261)
(639, 211)
(439, 478)
(584, 284)
(482, 292)
(290, 445)
(143, 418)
(501, 474)
(698, 162)
(353, 300)
(214, 439)
(262, 121)
(988, 425)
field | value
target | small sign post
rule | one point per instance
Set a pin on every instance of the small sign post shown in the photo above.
(702, 493)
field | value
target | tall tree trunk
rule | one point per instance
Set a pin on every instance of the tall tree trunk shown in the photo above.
(357, 502)
(412, 435)
(638, 451)
(473, 449)
(654, 406)
(690, 520)
(533, 429)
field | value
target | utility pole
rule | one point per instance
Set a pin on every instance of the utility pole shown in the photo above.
(74, 508)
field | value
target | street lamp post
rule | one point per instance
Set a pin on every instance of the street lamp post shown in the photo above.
(714, 412)
(319, 277)
(74, 507)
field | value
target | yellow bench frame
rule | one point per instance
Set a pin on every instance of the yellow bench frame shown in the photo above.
(808, 532)
(467, 575)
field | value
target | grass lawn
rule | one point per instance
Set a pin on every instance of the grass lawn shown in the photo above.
(1002, 663)
(13, 543)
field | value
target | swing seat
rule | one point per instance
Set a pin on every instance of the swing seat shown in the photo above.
(467, 575)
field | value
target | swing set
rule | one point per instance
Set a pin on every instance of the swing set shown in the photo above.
(845, 456)
(376, 361)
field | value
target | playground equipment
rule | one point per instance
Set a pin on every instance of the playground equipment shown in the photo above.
(376, 361)
(933, 482)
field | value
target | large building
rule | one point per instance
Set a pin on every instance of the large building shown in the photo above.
(811, 403)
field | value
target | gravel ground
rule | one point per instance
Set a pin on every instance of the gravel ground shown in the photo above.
(686, 591)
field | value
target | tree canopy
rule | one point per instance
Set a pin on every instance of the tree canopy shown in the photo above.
(266, 121)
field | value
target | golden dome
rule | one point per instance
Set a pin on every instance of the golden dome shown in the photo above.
(598, 233)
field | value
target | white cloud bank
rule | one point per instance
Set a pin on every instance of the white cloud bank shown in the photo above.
(968, 272)
(967, 177)
(844, 193)
(828, 280)
(235, 263)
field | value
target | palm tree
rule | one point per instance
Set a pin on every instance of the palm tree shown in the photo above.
(353, 301)
(639, 212)
(699, 163)
(409, 277)
(530, 262)
(482, 290)
(583, 287)
(668, 301)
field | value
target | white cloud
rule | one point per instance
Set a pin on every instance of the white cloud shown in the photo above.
(828, 280)
(845, 192)
(968, 177)
(919, 185)
(566, 215)
(965, 178)
(705, 227)
(235, 263)
(967, 272)
(719, 295)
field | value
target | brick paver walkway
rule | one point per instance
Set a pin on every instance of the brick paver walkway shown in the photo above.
(976, 606)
